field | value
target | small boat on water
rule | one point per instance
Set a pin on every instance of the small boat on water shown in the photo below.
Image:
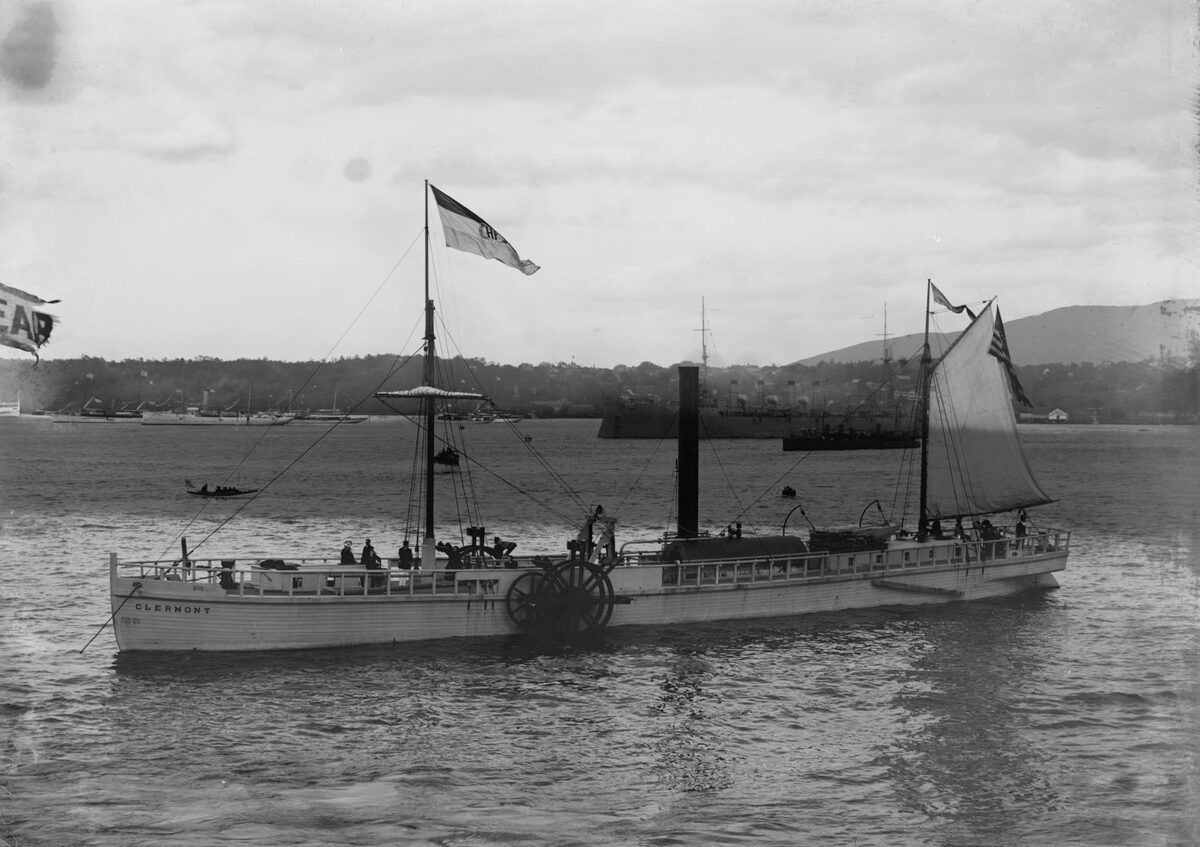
(218, 490)
(447, 459)
(477, 589)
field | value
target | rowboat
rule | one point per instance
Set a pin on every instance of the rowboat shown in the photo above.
(219, 490)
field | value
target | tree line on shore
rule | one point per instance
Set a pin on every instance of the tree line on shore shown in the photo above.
(1107, 392)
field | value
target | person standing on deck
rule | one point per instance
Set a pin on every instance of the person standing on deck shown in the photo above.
(369, 558)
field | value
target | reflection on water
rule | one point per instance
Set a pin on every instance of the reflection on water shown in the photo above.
(688, 758)
(968, 761)
(1068, 717)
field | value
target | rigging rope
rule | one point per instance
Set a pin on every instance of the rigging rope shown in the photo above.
(245, 504)
(235, 473)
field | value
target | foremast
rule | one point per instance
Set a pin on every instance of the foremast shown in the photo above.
(972, 459)
(430, 396)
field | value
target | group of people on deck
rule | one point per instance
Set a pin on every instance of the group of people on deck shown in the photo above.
(370, 560)
(980, 530)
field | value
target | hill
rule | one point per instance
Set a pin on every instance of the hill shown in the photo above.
(1164, 331)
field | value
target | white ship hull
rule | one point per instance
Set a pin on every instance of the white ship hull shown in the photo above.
(188, 419)
(97, 419)
(159, 607)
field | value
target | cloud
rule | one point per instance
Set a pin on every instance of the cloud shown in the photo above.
(29, 51)
(799, 167)
(191, 137)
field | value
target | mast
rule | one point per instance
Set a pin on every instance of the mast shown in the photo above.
(926, 374)
(887, 350)
(703, 349)
(428, 548)
(428, 394)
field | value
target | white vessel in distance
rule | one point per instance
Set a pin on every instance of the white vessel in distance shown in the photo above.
(206, 415)
(11, 409)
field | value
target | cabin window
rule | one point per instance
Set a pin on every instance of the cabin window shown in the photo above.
(907, 555)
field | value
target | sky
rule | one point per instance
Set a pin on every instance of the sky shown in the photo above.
(246, 180)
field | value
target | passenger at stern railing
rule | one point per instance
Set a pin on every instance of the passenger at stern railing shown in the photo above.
(404, 556)
(369, 558)
(348, 555)
(500, 549)
(988, 532)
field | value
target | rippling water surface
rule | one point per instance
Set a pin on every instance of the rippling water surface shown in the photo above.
(1065, 717)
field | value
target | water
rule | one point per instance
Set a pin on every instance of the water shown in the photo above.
(1066, 717)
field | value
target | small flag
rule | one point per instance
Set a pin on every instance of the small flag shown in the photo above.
(999, 349)
(466, 231)
(940, 299)
(22, 322)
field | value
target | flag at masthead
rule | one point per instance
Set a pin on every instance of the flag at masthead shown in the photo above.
(466, 231)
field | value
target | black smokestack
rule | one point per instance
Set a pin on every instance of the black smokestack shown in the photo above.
(689, 451)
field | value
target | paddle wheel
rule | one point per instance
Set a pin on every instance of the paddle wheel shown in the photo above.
(571, 596)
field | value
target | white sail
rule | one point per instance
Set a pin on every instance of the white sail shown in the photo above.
(976, 462)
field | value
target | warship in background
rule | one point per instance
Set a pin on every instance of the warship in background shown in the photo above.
(794, 420)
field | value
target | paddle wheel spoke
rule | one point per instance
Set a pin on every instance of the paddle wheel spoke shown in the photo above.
(523, 600)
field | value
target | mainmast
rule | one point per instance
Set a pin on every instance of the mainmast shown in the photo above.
(463, 230)
(926, 374)
(429, 547)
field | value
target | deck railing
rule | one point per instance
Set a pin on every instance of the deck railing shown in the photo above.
(821, 565)
(326, 577)
(308, 577)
